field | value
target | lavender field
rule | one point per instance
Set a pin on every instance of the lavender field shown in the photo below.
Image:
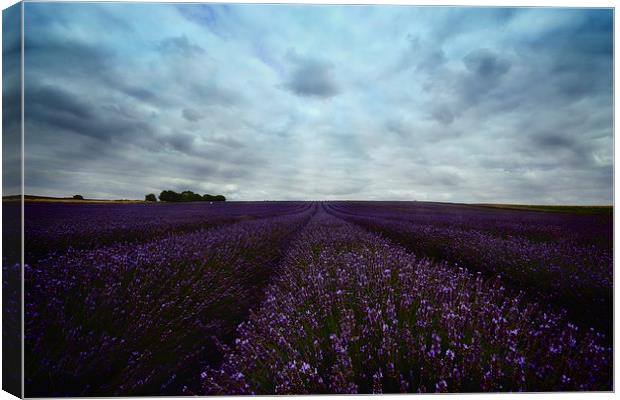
(314, 297)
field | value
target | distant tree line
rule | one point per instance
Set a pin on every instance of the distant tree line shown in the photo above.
(186, 196)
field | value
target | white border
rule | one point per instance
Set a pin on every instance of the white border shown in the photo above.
(481, 3)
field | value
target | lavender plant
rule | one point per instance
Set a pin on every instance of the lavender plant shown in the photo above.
(141, 319)
(251, 298)
(55, 227)
(564, 271)
(353, 313)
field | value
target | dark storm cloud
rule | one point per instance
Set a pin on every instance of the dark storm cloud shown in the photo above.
(313, 78)
(52, 106)
(180, 141)
(42, 98)
(91, 64)
(191, 115)
(485, 69)
(588, 35)
(138, 93)
(581, 62)
(11, 68)
(11, 101)
(180, 45)
(554, 140)
(485, 64)
(443, 114)
(67, 55)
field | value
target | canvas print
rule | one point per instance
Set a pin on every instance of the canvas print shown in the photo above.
(259, 199)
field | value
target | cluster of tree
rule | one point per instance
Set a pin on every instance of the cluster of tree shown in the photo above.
(188, 195)
(217, 197)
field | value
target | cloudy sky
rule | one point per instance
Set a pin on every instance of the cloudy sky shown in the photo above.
(320, 102)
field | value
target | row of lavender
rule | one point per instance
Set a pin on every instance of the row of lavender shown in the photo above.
(595, 228)
(143, 318)
(351, 312)
(571, 273)
(54, 227)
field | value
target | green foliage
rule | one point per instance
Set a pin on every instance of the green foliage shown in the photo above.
(208, 197)
(188, 196)
(78, 197)
(150, 197)
(169, 195)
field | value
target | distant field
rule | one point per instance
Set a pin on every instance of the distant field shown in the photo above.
(46, 199)
(589, 210)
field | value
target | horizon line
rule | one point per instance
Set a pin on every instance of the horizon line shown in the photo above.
(86, 200)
